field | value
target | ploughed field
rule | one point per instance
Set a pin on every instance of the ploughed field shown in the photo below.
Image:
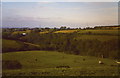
(51, 63)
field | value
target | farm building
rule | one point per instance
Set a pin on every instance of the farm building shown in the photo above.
(23, 34)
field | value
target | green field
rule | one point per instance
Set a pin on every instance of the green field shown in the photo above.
(47, 61)
(98, 37)
(12, 44)
(27, 31)
(66, 31)
(108, 32)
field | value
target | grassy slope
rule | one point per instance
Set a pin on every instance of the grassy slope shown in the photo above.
(98, 37)
(48, 60)
(44, 32)
(65, 31)
(113, 32)
(27, 31)
(11, 44)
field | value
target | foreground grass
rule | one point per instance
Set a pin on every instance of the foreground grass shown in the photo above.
(47, 61)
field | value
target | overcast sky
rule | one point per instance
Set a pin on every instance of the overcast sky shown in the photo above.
(57, 14)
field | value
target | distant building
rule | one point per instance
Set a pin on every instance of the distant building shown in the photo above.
(23, 34)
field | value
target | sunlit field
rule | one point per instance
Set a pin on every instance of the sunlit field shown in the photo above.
(36, 63)
(101, 32)
(66, 31)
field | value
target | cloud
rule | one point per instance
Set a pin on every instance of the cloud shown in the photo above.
(57, 14)
(45, 2)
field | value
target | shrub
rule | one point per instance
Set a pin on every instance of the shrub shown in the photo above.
(11, 64)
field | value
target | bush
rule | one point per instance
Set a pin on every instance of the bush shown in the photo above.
(11, 64)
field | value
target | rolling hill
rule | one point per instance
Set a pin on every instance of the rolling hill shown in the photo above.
(49, 63)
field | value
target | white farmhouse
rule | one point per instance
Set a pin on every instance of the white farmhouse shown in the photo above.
(23, 34)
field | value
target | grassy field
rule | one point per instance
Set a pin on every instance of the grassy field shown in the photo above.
(20, 32)
(44, 32)
(98, 37)
(109, 32)
(65, 31)
(47, 61)
(11, 44)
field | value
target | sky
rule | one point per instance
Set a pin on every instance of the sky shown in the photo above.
(60, 0)
(57, 14)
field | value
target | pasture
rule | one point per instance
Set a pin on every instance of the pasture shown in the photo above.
(97, 37)
(44, 32)
(13, 45)
(103, 32)
(20, 32)
(66, 31)
(101, 35)
(45, 63)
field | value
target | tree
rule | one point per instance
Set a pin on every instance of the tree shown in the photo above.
(62, 28)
